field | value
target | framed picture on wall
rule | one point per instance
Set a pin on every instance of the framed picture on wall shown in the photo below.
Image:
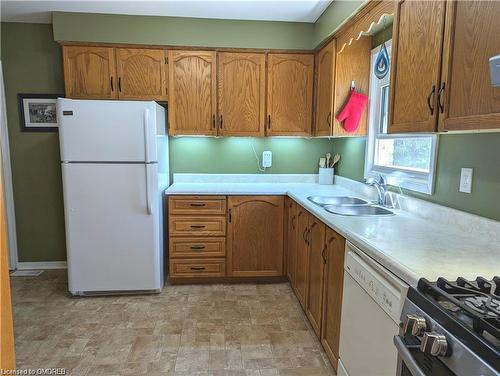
(37, 112)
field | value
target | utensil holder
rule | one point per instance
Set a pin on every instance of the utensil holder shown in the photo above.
(325, 175)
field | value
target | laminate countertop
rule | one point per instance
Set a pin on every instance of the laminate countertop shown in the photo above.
(444, 243)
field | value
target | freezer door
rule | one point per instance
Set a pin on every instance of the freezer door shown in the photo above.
(112, 227)
(108, 131)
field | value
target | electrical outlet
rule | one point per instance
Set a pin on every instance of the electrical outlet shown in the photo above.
(267, 158)
(466, 180)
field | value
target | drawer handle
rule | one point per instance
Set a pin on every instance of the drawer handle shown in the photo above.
(197, 204)
(197, 268)
(197, 247)
(197, 226)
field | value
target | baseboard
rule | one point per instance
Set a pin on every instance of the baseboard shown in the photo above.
(42, 265)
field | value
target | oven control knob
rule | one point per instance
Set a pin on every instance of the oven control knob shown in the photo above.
(434, 344)
(414, 325)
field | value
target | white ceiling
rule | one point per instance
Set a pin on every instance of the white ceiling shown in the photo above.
(40, 11)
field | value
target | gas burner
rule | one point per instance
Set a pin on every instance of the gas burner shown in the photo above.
(475, 304)
(488, 306)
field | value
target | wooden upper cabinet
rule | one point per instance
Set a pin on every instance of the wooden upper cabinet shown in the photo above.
(255, 236)
(468, 99)
(141, 74)
(192, 93)
(332, 294)
(242, 87)
(316, 265)
(415, 72)
(289, 94)
(89, 72)
(325, 70)
(352, 65)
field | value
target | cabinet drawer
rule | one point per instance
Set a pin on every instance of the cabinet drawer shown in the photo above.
(197, 247)
(197, 268)
(197, 205)
(197, 226)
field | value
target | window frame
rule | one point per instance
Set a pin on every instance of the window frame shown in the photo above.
(422, 182)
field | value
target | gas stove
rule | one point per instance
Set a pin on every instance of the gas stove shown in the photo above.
(451, 328)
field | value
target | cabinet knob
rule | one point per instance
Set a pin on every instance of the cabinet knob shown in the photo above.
(434, 344)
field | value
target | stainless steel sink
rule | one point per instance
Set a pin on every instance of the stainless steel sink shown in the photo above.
(357, 210)
(337, 200)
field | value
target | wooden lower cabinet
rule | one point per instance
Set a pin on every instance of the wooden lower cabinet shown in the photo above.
(197, 226)
(291, 258)
(332, 294)
(302, 252)
(197, 247)
(255, 236)
(196, 268)
(197, 237)
(316, 264)
(317, 275)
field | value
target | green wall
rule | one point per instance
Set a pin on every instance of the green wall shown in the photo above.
(178, 31)
(32, 64)
(182, 31)
(480, 151)
(235, 154)
(333, 17)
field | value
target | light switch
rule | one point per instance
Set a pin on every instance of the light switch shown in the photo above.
(466, 180)
(267, 158)
(495, 70)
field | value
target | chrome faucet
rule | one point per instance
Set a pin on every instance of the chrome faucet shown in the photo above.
(380, 186)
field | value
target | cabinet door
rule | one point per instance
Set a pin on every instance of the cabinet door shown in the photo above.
(352, 65)
(332, 294)
(416, 65)
(141, 74)
(89, 72)
(325, 68)
(302, 256)
(242, 87)
(8, 357)
(291, 241)
(316, 264)
(192, 93)
(468, 100)
(255, 236)
(289, 94)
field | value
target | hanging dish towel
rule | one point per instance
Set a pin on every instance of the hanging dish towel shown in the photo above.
(352, 111)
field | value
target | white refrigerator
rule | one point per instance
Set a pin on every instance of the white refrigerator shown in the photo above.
(114, 160)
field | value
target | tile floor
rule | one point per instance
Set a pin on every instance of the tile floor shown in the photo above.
(247, 329)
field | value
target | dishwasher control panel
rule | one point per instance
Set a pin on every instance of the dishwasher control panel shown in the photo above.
(375, 284)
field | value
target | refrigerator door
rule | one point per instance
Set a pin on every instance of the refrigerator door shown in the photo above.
(108, 131)
(112, 227)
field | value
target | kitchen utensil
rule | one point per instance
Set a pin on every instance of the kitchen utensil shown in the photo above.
(335, 160)
(322, 162)
(328, 156)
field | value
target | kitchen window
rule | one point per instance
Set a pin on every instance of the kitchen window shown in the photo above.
(404, 160)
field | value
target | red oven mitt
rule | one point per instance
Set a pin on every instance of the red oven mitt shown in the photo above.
(352, 111)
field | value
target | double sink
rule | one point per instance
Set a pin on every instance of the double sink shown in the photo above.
(350, 206)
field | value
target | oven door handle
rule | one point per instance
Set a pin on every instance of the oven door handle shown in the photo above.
(407, 358)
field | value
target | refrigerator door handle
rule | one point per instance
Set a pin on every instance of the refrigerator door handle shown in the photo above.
(146, 135)
(149, 204)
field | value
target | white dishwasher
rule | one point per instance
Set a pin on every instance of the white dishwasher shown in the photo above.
(371, 306)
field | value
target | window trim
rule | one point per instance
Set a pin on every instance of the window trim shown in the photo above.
(412, 180)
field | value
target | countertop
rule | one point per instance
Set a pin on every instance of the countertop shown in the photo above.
(408, 245)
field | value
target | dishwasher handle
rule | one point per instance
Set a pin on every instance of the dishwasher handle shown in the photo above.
(407, 358)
